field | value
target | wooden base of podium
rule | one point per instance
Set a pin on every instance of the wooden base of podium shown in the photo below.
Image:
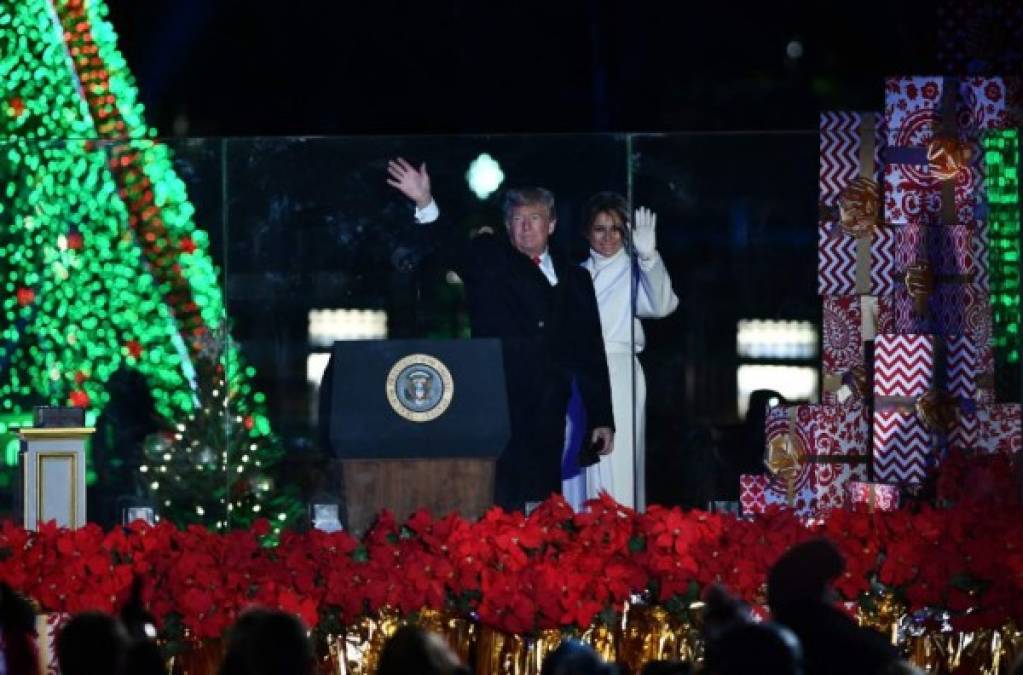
(443, 486)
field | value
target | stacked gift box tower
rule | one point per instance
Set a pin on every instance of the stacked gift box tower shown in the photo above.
(907, 360)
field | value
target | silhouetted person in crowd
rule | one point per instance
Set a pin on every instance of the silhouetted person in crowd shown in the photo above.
(736, 644)
(267, 642)
(666, 668)
(92, 643)
(17, 634)
(117, 451)
(414, 650)
(143, 656)
(575, 658)
(800, 596)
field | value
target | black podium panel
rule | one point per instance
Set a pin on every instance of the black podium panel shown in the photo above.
(408, 399)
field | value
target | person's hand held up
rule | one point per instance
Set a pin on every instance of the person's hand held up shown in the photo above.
(413, 183)
(644, 237)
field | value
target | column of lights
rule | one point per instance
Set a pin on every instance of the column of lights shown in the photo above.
(1002, 159)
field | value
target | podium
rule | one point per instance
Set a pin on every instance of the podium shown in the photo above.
(416, 424)
(53, 475)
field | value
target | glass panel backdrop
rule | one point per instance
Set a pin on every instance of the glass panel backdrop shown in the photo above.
(305, 243)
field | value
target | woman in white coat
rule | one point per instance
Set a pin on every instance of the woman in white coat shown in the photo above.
(616, 271)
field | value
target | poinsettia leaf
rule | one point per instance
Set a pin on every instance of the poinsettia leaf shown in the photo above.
(637, 544)
(360, 554)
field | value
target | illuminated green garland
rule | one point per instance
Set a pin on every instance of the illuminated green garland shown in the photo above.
(1001, 149)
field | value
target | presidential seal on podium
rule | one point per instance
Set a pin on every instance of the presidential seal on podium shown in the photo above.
(419, 388)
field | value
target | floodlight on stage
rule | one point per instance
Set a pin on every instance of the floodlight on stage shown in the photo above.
(484, 175)
(326, 326)
(776, 339)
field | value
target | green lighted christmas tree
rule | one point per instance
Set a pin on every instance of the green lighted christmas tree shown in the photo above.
(103, 266)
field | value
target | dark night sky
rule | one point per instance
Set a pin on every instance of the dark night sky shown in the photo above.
(232, 67)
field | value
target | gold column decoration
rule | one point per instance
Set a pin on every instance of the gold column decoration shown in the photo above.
(356, 651)
(882, 612)
(459, 632)
(651, 633)
(984, 652)
(500, 653)
(604, 640)
(203, 658)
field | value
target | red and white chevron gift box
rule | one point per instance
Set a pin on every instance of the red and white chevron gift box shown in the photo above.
(905, 368)
(957, 255)
(874, 496)
(757, 493)
(907, 365)
(841, 141)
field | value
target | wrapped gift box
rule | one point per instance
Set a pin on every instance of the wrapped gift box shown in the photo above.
(757, 493)
(1001, 428)
(913, 193)
(906, 368)
(957, 255)
(992, 428)
(874, 496)
(913, 106)
(919, 110)
(841, 452)
(831, 447)
(847, 321)
(851, 144)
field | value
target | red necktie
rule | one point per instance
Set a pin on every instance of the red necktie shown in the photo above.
(536, 260)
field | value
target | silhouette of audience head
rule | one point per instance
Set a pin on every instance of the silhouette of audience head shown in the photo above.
(414, 650)
(1017, 668)
(802, 577)
(91, 643)
(799, 593)
(143, 656)
(267, 642)
(666, 668)
(575, 658)
(17, 624)
(735, 643)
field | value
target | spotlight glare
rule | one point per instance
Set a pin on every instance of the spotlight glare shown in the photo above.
(484, 175)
